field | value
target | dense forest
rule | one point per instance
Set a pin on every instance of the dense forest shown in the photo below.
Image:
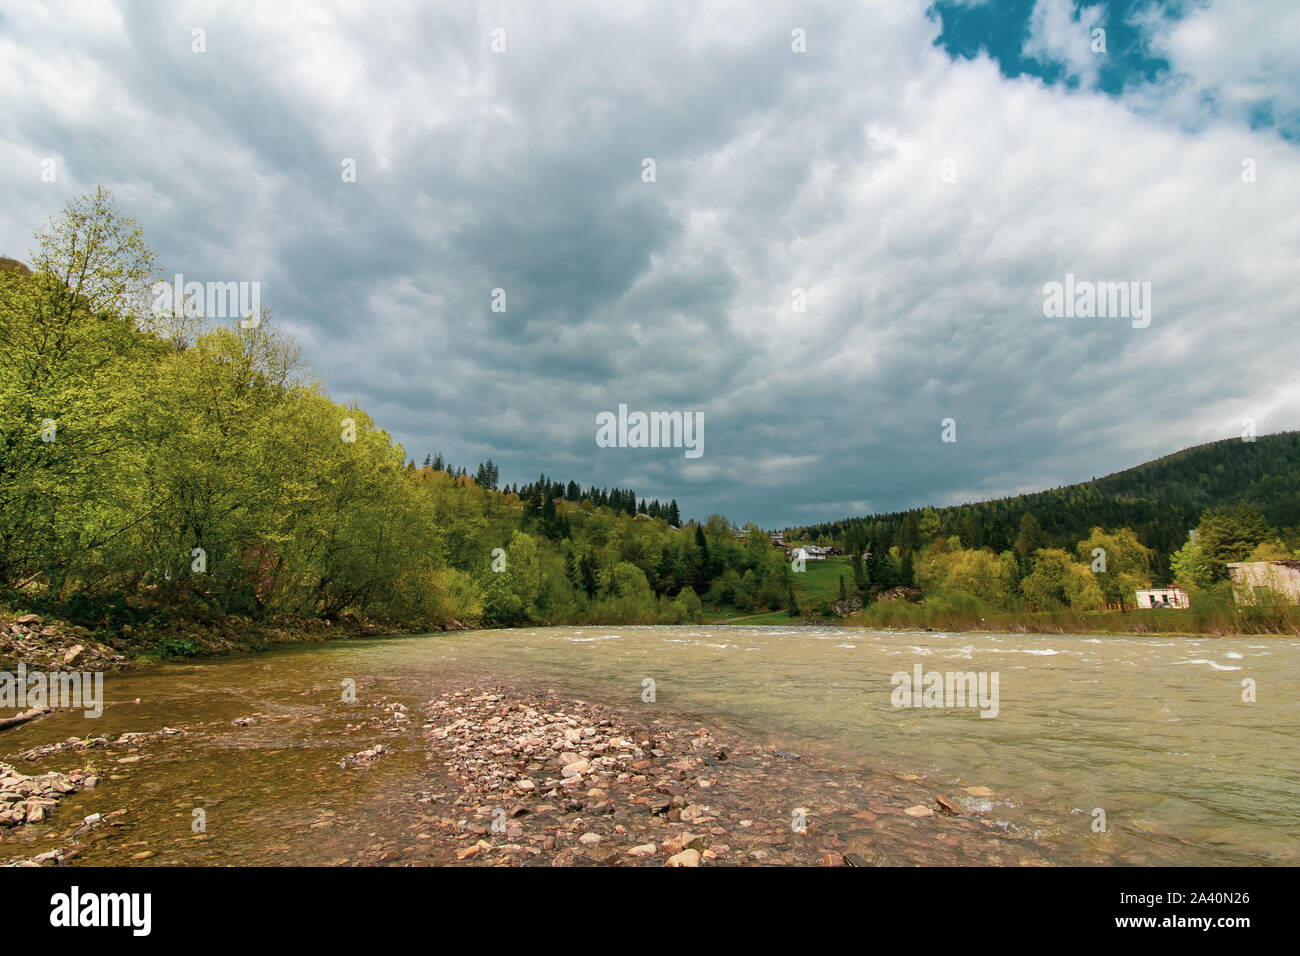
(159, 466)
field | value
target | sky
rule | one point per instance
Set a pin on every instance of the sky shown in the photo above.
(837, 254)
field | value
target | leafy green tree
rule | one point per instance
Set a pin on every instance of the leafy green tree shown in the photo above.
(74, 373)
(1191, 567)
(1046, 586)
(690, 604)
(1121, 563)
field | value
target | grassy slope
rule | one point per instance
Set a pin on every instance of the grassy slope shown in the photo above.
(820, 582)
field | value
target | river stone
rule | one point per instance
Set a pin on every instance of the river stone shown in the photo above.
(687, 857)
(947, 806)
(693, 813)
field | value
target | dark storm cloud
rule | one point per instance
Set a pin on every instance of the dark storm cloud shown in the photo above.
(775, 171)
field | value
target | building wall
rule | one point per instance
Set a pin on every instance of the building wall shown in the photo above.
(1175, 597)
(1247, 576)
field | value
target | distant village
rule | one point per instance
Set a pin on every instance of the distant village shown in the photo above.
(811, 552)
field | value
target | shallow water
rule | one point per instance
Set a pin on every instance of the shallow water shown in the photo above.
(1152, 731)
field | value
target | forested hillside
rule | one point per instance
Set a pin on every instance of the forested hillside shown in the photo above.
(1160, 501)
(160, 467)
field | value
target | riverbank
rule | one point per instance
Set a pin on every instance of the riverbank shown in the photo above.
(49, 644)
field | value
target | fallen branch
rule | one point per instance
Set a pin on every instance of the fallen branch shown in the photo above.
(26, 715)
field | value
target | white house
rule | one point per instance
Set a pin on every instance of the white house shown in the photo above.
(1162, 597)
(807, 553)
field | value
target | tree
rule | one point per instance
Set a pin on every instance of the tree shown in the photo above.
(587, 573)
(74, 375)
(1031, 537)
(1047, 585)
(1121, 563)
(1190, 566)
(690, 604)
(908, 538)
(1231, 535)
(906, 573)
(929, 526)
(977, 573)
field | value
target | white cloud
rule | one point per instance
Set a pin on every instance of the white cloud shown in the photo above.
(1060, 34)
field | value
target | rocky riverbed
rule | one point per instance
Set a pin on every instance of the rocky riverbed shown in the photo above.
(31, 801)
(523, 777)
(52, 646)
(547, 781)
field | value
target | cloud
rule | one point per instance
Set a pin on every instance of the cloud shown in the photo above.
(920, 202)
(1065, 35)
(1236, 60)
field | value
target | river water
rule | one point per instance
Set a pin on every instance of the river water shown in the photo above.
(1152, 732)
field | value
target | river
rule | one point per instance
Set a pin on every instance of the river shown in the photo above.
(1153, 732)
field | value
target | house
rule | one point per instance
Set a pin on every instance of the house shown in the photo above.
(808, 554)
(1162, 597)
(778, 538)
(1260, 582)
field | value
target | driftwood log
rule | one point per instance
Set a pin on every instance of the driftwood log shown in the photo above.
(26, 715)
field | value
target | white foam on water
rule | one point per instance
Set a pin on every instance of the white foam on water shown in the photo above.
(1036, 651)
(1217, 667)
